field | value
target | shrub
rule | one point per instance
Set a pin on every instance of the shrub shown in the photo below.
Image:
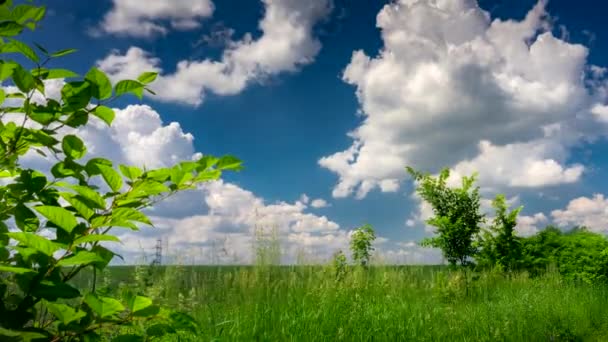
(58, 221)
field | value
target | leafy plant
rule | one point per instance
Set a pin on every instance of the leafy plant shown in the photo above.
(361, 241)
(53, 226)
(457, 217)
(339, 265)
(499, 245)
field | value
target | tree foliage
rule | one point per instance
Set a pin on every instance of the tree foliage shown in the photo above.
(499, 246)
(361, 241)
(456, 214)
(52, 226)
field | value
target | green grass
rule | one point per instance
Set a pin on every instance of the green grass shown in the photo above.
(302, 303)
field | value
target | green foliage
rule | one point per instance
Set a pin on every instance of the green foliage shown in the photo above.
(499, 244)
(339, 265)
(456, 214)
(578, 254)
(361, 241)
(60, 219)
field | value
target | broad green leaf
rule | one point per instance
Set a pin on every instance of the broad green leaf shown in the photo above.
(80, 204)
(23, 79)
(208, 175)
(17, 270)
(62, 53)
(10, 28)
(76, 94)
(73, 147)
(36, 242)
(54, 290)
(95, 238)
(207, 162)
(128, 338)
(122, 214)
(60, 73)
(105, 254)
(6, 69)
(150, 311)
(137, 303)
(89, 194)
(2, 96)
(92, 164)
(80, 258)
(77, 119)
(147, 188)
(103, 306)
(159, 330)
(129, 86)
(131, 172)
(229, 163)
(25, 219)
(21, 336)
(112, 178)
(23, 13)
(66, 314)
(102, 88)
(19, 47)
(104, 113)
(147, 77)
(59, 216)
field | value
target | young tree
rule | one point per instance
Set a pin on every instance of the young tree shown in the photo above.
(53, 223)
(499, 245)
(456, 214)
(361, 244)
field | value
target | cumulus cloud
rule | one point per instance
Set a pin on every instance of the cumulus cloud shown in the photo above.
(584, 211)
(232, 215)
(453, 88)
(530, 225)
(154, 17)
(287, 43)
(319, 203)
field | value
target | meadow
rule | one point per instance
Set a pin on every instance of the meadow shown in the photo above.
(378, 303)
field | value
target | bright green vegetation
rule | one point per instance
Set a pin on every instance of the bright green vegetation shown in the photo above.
(409, 303)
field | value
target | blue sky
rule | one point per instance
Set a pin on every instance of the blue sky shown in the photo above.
(449, 78)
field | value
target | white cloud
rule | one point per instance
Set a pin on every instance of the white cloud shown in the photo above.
(452, 88)
(152, 18)
(231, 214)
(319, 203)
(584, 211)
(286, 44)
(530, 225)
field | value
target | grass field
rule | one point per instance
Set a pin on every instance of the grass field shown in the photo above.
(408, 303)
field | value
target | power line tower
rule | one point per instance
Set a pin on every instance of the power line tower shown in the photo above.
(158, 255)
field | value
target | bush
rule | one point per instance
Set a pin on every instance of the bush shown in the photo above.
(58, 221)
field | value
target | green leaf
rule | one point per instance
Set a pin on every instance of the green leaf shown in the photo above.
(89, 194)
(92, 164)
(131, 172)
(129, 86)
(23, 13)
(159, 330)
(64, 313)
(80, 258)
(103, 306)
(104, 113)
(150, 311)
(19, 47)
(23, 79)
(229, 163)
(147, 188)
(60, 73)
(208, 175)
(25, 219)
(128, 338)
(102, 88)
(17, 270)
(53, 290)
(10, 28)
(147, 77)
(76, 94)
(80, 204)
(112, 178)
(207, 162)
(73, 147)
(36, 242)
(2, 96)
(62, 53)
(122, 214)
(59, 216)
(95, 238)
(138, 303)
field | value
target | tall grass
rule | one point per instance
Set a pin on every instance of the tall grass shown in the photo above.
(382, 303)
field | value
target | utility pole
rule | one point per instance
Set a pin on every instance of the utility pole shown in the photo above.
(158, 256)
